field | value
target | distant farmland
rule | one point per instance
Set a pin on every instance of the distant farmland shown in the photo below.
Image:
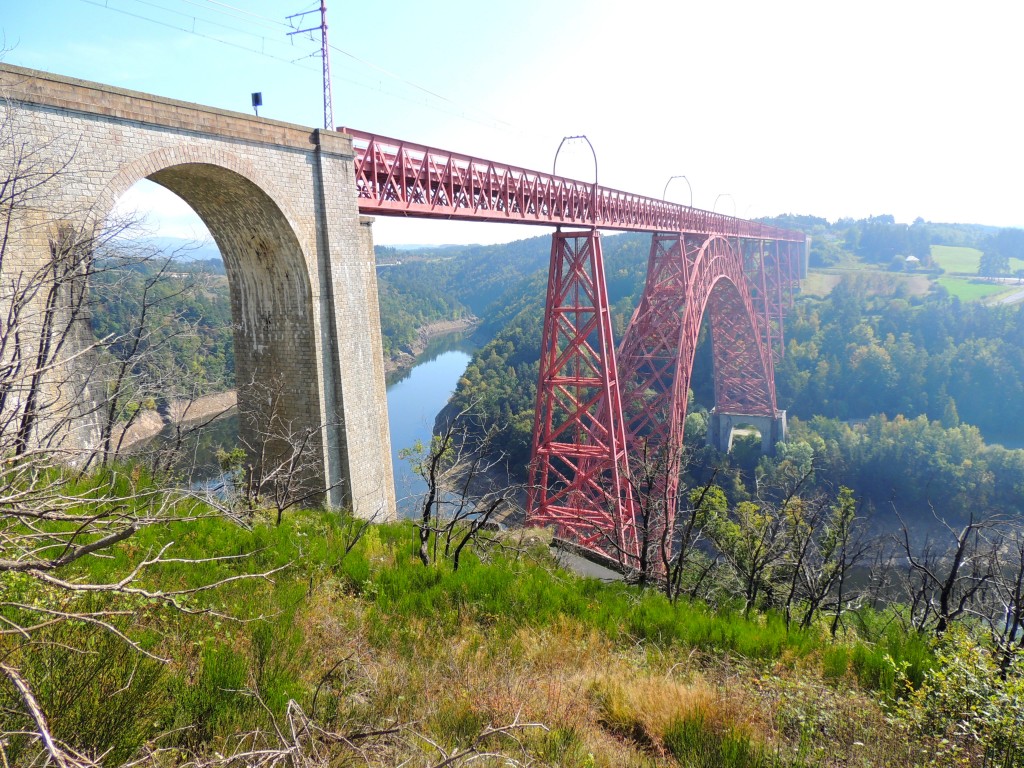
(957, 260)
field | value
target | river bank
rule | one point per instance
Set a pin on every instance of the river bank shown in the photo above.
(407, 358)
(148, 424)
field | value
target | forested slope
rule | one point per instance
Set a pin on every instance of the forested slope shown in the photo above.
(893, 395)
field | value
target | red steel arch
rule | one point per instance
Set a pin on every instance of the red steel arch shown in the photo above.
(688, 277)
(741, 273)
(580, 473)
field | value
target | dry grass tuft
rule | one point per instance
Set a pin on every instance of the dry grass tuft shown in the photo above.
(643, 708)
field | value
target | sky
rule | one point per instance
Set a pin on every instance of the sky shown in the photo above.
(835, 109)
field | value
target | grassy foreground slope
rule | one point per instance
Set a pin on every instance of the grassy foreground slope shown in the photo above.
(355, 653)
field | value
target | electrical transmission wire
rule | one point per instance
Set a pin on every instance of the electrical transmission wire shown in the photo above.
(242, 16)
(193, 31)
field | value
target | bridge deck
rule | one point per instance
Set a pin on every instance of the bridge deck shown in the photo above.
(399, 178)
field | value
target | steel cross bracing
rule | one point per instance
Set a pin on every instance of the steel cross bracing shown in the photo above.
(399, 178)
(579, 466)
(597, 417)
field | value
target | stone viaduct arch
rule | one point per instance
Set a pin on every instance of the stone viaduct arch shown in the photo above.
(279, 200)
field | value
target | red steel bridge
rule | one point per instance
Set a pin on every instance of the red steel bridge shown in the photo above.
(605, 414)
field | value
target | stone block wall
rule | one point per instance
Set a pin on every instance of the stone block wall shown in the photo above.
(280, 202)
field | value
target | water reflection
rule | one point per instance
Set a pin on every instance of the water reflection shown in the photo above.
(415, 397)
(453, 342)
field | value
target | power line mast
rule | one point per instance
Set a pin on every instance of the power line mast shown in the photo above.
(325, 55)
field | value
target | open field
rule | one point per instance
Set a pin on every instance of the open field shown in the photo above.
(956, 259)
(959, 263)
(819, 283)
(881, 282)
(972, 290)
(964, 261)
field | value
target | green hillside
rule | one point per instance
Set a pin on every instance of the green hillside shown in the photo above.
(354, 653)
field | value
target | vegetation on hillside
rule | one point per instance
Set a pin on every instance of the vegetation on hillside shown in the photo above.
(930, 378)
(169, 316)
(357, 652)
(419, 286)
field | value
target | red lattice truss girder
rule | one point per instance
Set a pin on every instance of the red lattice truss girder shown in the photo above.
(741, 273)
(399, 178)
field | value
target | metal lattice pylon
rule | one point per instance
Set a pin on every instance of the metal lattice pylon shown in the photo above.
(578, 473)
(594, 414)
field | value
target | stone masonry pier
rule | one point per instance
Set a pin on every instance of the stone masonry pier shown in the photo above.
(280, 202)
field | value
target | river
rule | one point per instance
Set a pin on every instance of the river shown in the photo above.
(415, 396)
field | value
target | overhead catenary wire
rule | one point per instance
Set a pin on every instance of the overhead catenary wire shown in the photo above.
(186, 30)
(450, 106)
(206, 3)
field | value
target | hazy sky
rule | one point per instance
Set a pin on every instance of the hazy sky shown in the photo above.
(827, 108)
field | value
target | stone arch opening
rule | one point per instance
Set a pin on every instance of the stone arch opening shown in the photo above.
(743, 435)
(272, 311)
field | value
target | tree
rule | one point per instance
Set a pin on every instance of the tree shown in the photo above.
(653, 478)
(825, 544)
(462, 497)
(57, 515)
(276, 466)
(705, 505)
(993, 263)
(752, 539)
(1005, 610)
(135, 359)
(941, 585)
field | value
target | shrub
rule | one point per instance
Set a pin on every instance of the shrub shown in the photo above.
(966, 703)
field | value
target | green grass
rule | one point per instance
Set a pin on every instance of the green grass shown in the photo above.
(507, 595)
(870, 281)
(819, 283)
(973, 290)
(503, 594)
(228, 677)
(956, 259)
(696, 744)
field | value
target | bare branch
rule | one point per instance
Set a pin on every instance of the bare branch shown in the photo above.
(61, 757)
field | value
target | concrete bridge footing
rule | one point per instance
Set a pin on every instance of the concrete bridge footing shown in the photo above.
(721, 426)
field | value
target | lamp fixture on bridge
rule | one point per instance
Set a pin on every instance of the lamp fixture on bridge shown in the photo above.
(257, 102)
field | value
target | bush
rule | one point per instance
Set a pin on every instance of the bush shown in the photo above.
(966, 705)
